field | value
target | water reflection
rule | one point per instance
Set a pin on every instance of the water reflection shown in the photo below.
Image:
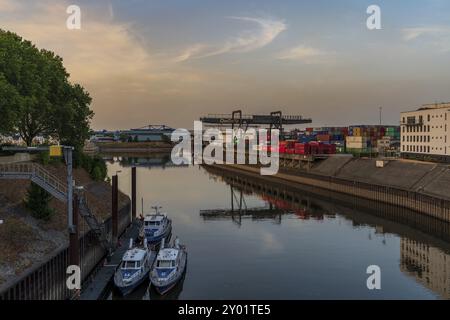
(289, 242)
(428, 265)
(424, 261)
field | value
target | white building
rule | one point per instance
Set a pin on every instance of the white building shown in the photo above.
(425, 132)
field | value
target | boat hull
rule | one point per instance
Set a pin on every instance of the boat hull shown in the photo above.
(162, 287)
(127, 289)
(157, 239)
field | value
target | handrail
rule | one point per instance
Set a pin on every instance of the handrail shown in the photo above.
(34, 170)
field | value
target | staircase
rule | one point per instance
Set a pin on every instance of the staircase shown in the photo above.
(37, 174)
(58, 189)
(97, 227)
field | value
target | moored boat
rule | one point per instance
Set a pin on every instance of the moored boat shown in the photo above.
(134, 268)
(169, 266)
(156, 227)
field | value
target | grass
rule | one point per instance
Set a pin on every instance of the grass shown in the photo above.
(15, 237)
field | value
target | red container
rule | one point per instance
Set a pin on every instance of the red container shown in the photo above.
(290, 151)
(323, 137)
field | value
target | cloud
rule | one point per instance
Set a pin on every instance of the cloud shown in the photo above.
(438, 36)
(247, 41)
(303, 53)
(104, 56)
(8, 6)
(101, 52)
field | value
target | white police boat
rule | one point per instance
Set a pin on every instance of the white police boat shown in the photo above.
(169, 266)
(134, 268)
(156, 227)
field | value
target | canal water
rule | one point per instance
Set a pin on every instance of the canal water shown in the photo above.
(271, 251)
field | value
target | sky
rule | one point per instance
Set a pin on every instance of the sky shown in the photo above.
(170, 62)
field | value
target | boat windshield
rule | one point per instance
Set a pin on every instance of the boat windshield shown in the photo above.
(130, 264)
(151, 223)
(166, 263)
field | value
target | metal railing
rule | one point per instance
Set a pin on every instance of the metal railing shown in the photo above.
(37, 174)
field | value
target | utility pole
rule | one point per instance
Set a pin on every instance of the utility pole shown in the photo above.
(68, 151)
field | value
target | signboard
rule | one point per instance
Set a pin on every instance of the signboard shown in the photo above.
(55, 151)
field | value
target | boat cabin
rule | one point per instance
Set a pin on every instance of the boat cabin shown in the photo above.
(153, 220)
(134, 259)
(167, 258)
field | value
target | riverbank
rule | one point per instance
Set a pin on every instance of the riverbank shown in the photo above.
(419, 186)
(134, 147)
(26, 242)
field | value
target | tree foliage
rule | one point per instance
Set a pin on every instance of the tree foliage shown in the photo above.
(37, 200)
(36, 97)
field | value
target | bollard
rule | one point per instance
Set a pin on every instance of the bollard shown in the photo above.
(114, 210)
(133, 193)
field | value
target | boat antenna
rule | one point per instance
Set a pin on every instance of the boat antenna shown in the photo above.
(156, 208)
(142, 206)
(131, 243)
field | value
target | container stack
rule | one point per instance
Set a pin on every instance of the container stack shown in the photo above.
(353, 139)
(365, 139)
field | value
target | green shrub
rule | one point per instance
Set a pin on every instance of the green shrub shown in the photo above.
(37, 201)
(44, 157)
(95, 166)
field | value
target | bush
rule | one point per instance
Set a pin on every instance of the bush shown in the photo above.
(95, 166)
(44, 158)
(37, 201)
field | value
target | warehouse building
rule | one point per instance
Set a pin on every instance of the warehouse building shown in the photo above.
(150, 133)
(424, 133)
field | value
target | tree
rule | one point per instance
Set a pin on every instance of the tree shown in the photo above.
(36, 95)
(37, 200)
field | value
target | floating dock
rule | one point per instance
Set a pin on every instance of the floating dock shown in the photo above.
(101, 281)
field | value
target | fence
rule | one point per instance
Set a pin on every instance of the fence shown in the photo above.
(48, 280)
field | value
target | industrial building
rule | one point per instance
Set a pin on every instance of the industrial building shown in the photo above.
(424, 133)
(149, 133)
